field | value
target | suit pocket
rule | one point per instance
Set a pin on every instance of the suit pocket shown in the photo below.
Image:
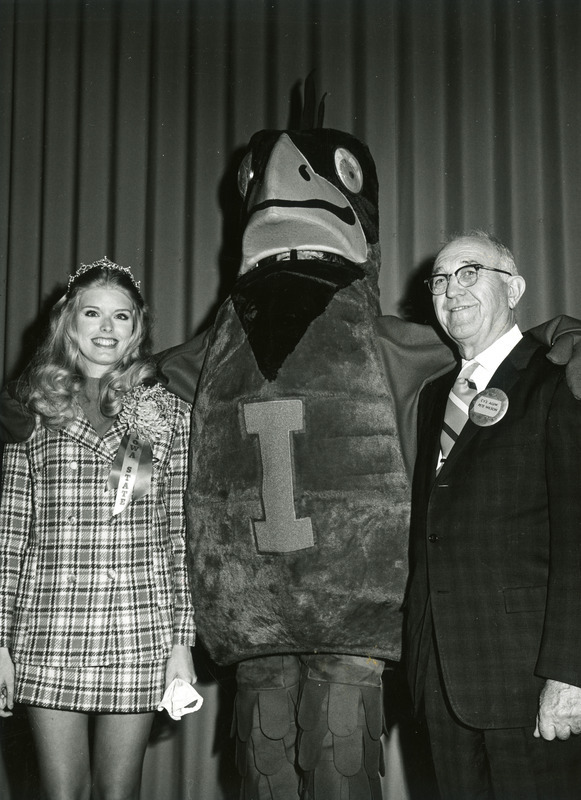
(526, 598)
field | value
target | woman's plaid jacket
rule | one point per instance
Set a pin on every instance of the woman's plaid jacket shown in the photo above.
(79, 586)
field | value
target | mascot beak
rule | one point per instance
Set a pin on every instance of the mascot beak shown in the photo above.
(294, 208)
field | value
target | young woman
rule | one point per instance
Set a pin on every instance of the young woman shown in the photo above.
(95, 615)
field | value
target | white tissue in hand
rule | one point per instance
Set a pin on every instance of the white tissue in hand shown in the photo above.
(178, 699)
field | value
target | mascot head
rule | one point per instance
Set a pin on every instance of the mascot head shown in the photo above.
(310, 229)
(314, 192)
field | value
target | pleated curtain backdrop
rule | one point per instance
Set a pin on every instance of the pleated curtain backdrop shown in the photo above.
(122, 123)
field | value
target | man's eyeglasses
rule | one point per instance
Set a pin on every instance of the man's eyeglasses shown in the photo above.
(466, 276)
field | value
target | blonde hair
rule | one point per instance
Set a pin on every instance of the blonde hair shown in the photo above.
(53, 379)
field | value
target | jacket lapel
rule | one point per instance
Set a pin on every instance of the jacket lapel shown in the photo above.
(81, 431)
(505, 379)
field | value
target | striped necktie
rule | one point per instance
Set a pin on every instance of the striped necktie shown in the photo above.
(457, 406)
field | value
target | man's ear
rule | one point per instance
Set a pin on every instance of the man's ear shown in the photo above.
(516, 289)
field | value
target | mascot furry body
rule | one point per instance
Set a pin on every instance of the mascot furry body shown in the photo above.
(298, 498)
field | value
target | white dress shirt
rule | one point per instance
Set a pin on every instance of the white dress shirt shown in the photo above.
(488, 362)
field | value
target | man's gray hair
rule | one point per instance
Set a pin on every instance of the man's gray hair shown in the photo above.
(505, 256)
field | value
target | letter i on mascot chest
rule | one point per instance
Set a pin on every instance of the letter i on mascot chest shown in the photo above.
(298, 501)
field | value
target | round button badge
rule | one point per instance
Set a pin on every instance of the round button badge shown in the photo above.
(488, 407)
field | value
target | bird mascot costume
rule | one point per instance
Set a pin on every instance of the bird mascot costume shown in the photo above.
(298, 500)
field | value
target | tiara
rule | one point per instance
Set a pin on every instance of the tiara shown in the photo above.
(103, 263)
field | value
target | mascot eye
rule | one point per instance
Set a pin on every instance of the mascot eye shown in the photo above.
(348, 170)
(245, 174)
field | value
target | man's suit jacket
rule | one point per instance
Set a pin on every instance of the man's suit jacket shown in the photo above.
(496, 546)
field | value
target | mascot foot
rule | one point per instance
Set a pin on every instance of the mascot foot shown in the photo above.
(340, 724)
(265, 727)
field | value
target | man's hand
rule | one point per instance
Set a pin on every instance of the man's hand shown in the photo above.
(559, 711)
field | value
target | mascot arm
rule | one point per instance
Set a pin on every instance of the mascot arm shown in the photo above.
(179, 367)
(412, 355)
(563, 334)
(16, 421)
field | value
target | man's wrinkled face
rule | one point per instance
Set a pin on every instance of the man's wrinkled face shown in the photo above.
(475, 316)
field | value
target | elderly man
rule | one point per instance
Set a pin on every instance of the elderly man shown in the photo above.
(493, 610)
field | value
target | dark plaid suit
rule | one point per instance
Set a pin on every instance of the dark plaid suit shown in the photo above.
(495, 585)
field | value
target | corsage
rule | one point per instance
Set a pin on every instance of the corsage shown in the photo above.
(146, 413)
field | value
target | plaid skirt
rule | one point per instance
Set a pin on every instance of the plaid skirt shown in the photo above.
(123, 688)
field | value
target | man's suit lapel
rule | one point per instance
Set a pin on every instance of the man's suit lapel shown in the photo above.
(504, 378)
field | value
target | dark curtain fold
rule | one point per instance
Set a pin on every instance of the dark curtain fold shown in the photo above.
(121, 127)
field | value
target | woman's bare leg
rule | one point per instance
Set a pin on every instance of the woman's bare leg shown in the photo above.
(62, 746)
(118, 752)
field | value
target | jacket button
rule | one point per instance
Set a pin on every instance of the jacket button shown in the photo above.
(433, 538)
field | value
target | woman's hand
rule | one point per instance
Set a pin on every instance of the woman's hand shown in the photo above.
(6, 683)
(180, 665)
